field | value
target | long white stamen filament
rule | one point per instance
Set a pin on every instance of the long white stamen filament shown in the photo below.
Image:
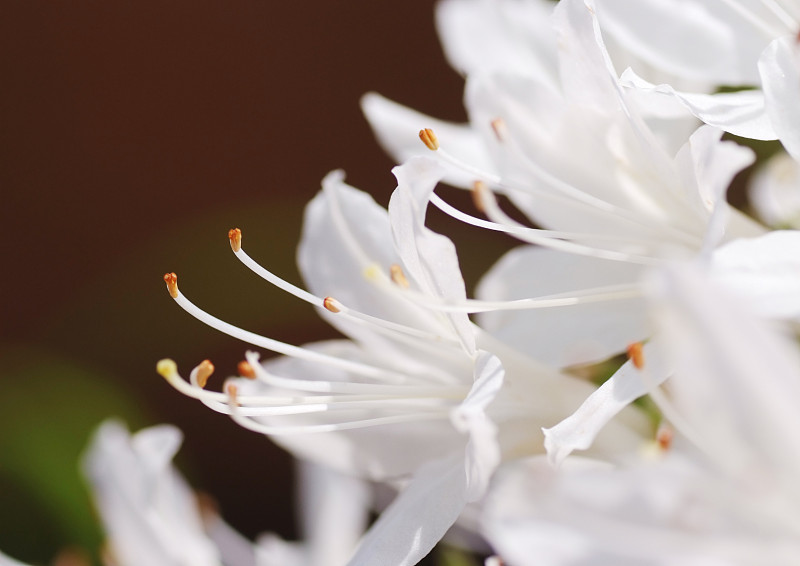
(287, 349)
(494, 213)
(535, 236)
(562, 192)
(378, 324)
(273, 430)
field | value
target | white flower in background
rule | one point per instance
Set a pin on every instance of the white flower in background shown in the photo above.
(577, 157)
(150, 514)
(8, 561)
(414, 392)
(723, 490)
(775, 192)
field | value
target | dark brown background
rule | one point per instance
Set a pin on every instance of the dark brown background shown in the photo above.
(133, 135)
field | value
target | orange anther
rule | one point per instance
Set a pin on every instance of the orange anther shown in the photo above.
(664, 436)
(172, 284)
(204, 371)
(331, 304)
(232, 391)
(499, 128)
(479, 188)
(429, 138)
(636, 355)
(246, 370)
(235, 236)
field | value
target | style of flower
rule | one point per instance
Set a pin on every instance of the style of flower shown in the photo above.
(719, 488)
(417, 391)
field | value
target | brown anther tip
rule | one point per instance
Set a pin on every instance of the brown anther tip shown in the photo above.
(207, 505)
(235, 236)
(331, 304)
(499, 128)
(479, 188)
(172, 284)
(429, 138)
(636, 355)
(232, 391)
(664, 436)
(398, 276)
(204, 371)
(246, 370)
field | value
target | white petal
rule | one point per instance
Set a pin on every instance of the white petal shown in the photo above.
(8, 561)
(430, 258)
(706, 49)
(397, 129)
(334, 510)
(420, 516)
(579, 430)
(764, 271)
(483, 451)
(506, 36)
(742, 113)
(780, 74)
(569, 335)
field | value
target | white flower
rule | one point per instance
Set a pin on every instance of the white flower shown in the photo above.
(8, 561)
(576, 156)
(415, 391)
(722, 492)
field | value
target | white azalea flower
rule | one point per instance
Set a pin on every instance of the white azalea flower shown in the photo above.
(616, 194)
(8, 561)
(722, 492)
(415, 392)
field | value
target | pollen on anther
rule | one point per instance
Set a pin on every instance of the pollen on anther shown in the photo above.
(246, 370)
(478, 190)
(172, 284)
(204, 371)
(429, 138)
(167, 368)
(398, 276)
(235, 236)
(636, 355)
(331, 304)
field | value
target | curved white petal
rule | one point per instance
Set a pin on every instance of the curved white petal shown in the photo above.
(430, 258)
(775, 191)
(780, 75)
(578, 431)
(8, 561)
(741, 113)
(412, 525)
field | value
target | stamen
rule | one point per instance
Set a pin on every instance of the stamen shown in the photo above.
(429, 138)
(331, 304)
(235, 236)
(385, 326)
(172, 284)
(246, 370)
(232, 391)
(397, 275)
(548, 238)
(204, 371)
(636, 355)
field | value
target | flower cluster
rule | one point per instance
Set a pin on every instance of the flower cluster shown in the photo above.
(602, 122)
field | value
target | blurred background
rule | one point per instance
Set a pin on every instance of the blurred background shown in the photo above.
(134, 135)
